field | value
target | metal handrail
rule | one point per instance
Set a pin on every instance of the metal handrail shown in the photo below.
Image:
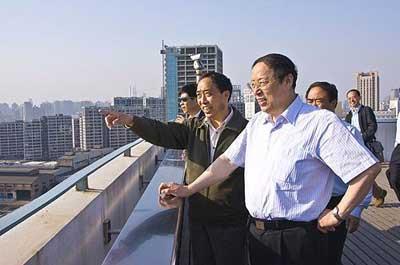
(19, 215)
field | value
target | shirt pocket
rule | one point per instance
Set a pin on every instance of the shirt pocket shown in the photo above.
(287, 174)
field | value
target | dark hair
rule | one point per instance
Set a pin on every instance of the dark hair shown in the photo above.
(327, 87)
(222, 82)
(281, 65)
(190, 89)
(353, 90)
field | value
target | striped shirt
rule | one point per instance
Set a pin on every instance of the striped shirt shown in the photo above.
(340, 188)
(290, 164)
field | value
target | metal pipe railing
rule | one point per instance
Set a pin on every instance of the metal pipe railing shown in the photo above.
(79, 180)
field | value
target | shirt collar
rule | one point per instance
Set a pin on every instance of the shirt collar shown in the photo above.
(223, 123)
(356, 109)
(290, 114)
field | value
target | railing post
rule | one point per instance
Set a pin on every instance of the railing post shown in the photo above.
(141, 182)
(107, 232)
(82, 185)
(128, 153)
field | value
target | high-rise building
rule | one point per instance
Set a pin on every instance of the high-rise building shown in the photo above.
(47, 108)
(237, 100)
(59, 135)
(37, 113)
(394, 93)
(12, 140)
(368, 85)
(250, 104)
(93, 130)
(27, 111)
(178, 70)
(76, 137)
(129, 102)
(64, 107)
(155, 108)
(119, 135)
(35, 140)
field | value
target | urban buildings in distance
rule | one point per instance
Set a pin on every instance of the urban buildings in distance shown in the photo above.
(368, 85)
(178, 70)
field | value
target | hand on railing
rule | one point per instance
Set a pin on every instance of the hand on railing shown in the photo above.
(167, 200)
(174, 189)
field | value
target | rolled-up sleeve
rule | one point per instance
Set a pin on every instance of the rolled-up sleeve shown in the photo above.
(341, 152)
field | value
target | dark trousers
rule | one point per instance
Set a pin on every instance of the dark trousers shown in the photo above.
(217, 244)
(333, 242)
(295, 246)
(393, 174)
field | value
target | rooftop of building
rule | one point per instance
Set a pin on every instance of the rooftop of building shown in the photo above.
(18, 179)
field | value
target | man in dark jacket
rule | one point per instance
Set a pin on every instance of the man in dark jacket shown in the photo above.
(217, 215)
(363, 118)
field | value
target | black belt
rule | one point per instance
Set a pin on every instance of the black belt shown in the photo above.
(279, 224)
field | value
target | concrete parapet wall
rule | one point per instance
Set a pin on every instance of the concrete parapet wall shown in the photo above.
(70, 230)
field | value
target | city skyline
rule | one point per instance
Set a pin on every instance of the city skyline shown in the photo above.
(97, 50)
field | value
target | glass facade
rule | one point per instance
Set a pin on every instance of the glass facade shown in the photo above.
(171, 83)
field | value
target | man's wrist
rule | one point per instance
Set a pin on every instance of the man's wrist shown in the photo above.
(190, 190)
(337, 215)
(129, 124)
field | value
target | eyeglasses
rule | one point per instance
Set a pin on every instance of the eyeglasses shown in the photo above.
(260, 84)
(315, 101)
(184, 99)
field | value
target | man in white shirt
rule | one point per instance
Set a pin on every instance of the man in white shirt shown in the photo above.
(291, 152)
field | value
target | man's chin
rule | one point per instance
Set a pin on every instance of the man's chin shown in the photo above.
(208, 114)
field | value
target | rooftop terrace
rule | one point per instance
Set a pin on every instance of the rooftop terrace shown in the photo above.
(116, 219)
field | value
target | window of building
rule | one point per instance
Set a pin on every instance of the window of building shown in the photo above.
(202, 50)
(190, 51)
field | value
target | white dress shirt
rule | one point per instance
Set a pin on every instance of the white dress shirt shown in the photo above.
(216, 132)
(354, 118)
(290, 164)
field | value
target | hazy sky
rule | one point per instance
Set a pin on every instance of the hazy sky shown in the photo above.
(93, 50)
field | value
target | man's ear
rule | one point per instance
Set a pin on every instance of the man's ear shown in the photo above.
(226, 94)
(334, 103)
(288, 80)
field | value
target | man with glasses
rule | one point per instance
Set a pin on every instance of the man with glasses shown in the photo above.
(325, 96)
(217, 215)
(291, 152)
(188, 103)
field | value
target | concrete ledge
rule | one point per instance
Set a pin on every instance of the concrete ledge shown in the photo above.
(70, 230)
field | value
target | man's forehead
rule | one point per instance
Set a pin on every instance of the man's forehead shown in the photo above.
(352, 94)
(261, 70)
(205, 84)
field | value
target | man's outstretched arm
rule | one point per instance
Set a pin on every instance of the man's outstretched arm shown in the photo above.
(217, 172)
(170, 135)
